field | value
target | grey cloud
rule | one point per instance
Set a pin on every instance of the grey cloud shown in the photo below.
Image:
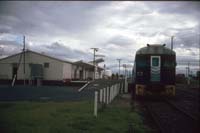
(121, 41)
(50, 17)
(5, 29)
(61, 51)
(79, 20)
(11, 43)
(177, 7)
(188, 37)
(9, 47)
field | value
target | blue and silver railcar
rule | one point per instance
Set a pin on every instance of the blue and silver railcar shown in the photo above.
(154, 70)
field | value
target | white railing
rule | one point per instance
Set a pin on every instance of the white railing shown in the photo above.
(106, 95)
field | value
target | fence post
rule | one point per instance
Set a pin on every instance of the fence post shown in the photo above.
(114, 88)
(118, 88)
(107, 95)
(95, 103)
(126, 85)
(101, 96)
(121, 87)
(104, 95)
(111, 93)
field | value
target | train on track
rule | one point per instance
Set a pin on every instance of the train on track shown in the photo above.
(154, 71)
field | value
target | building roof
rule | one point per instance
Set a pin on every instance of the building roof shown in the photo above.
(86, 65)
(41, 54)
(98, 60)
(155, 49)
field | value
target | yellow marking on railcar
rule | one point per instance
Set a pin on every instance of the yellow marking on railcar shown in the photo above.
(140, 89)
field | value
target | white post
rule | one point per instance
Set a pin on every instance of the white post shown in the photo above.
(113, 94)
(126, 85)
(110, 98)
(13, 82)
(117, 89)
(114, 89)
(104, 95)
(121, 87)
(107, 95)
(101, 95)
(95, 103)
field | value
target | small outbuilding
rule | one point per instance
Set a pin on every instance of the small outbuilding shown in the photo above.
(43, 67)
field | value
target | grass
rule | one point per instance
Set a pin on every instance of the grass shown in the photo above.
(66, 117)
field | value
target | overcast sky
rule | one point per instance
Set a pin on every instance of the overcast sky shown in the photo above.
(68, 30)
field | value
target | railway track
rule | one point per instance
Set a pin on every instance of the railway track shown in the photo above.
(193, 93)
(171, 119)
(188, 102)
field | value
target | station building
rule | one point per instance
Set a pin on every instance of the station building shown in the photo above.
(44, 67)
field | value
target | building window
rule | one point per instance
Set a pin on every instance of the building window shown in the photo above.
(46, 65)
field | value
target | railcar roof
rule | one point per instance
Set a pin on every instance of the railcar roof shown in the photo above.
(155, 49)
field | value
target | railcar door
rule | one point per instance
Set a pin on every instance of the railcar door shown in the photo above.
(155, 68)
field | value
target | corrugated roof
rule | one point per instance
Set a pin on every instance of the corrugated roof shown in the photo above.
(38, 54)
(85, 64)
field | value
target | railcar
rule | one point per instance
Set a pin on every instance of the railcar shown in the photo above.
(154, 71)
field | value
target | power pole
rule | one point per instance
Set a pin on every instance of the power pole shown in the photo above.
(95, 50)
(124, 66)
(199, 46)
(24, 60)
(104, 66)
(188, 73)
(1, 51)
(119, 65)
(172, 37)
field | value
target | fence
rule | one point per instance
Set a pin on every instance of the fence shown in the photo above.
(106, 91)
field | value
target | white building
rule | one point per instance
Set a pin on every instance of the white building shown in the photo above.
(44, 67)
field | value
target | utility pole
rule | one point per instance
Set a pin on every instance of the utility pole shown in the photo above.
(119, 65)
(199, 46)
(124, 66)
(95, 50)
(1, 51)
(172, 37)
(188, 72)
(104, 66)
(24, 60)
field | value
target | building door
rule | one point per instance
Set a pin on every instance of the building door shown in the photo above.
(14, 72)
(81, 74)
(155, 68)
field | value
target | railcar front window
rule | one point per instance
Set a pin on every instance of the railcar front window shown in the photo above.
(155, 61)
